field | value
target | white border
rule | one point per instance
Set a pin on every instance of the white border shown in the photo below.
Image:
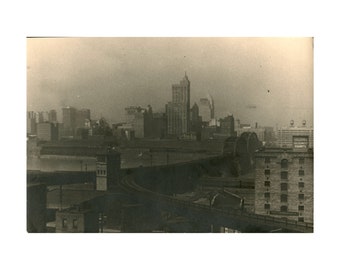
(170, 18)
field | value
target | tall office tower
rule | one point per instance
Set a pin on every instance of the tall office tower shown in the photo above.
(31, 123)
(178, 110)
(69, 121)
(81, 116)
(52, 116)
(227, 126)
(39, 117)
(207, 108)
(195, 120)
(140, 120)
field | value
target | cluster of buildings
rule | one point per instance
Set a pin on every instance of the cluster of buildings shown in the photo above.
(45, 127)
(180, 120)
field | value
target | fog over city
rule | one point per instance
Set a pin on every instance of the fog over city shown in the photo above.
(264, 80)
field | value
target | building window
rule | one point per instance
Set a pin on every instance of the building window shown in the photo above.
(301, 161)
(301, 207)
(283, 208)
(284, 197)
(267, 183)
(301, 219)
(284, 186)
(284, 164)
(301, 172)
(301, 196)
(64, 223)
(75, 223)
(267, 172)
(301, 184)
(267, 160)
(267, 206)
(267, 195)
(284, 175)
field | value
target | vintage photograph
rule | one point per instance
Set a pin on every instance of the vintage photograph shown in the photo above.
(170, 135)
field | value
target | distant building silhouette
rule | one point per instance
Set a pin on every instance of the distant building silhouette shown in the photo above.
(227, 126)
(207, 109)
(31, 123)
(159, 126)
(48, 131)
(69, 121)
(195, 121)
(74, 119)
(178, 110)
(140, 120)
(52, 116)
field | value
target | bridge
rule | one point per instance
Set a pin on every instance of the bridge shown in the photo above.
(156, 186)
(231, 218)
(240, 152)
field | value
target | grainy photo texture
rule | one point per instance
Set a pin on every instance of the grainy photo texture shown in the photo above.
(169, 135)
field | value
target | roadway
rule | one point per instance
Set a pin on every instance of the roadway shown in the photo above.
(231, 218)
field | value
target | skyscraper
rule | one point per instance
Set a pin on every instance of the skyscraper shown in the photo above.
(140, 119)
(178, 110)
(227, 126)
(69, 121)
(81, 116)
(207, 108)
(52, 116)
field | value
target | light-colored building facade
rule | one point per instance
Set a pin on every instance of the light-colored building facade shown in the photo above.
(285, 134)
(178, 110)
(107, 169)
(140, 119)
(284, 182)
(77, 221)
(47, 131)
(207, 108)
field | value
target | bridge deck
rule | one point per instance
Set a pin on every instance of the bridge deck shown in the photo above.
(231, 218)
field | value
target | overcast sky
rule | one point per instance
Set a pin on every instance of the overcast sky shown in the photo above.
(108, 74)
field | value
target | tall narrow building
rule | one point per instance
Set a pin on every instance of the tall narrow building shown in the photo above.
(207, 108)
(178, 110)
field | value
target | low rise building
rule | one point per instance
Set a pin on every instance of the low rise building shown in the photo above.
(76, 220)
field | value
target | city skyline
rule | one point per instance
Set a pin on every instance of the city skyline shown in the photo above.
(264, 80)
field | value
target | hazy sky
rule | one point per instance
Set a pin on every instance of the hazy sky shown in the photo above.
(108, 74)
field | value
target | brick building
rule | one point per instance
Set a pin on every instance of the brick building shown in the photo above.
(284, 182)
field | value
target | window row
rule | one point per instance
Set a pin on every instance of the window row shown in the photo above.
(283, 208)
(284, 186)
(101, 172)
(284, 162)
(284, 174)
(284, 197)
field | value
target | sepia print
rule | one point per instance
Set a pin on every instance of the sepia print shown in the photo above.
(169, 135)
